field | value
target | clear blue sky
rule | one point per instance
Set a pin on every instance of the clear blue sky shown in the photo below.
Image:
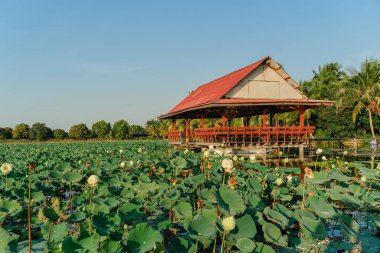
(66, 62)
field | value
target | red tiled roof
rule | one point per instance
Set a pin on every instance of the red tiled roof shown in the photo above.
(216, 89)
(265, 101)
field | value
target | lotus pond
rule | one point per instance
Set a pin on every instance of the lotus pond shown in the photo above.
(145, 197)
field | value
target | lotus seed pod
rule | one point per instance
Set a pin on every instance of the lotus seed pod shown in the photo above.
(6, 168)
(228, 165)
(93, 180)
(228, 223)
(122, 164)
(279, 181)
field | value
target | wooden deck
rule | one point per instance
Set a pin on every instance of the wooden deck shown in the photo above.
(252, 135)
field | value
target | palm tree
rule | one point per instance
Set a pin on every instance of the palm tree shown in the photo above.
(362, 91)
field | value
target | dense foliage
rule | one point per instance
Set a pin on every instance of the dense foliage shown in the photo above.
(143, 196)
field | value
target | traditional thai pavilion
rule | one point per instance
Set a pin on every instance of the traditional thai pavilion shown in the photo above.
(262, 88)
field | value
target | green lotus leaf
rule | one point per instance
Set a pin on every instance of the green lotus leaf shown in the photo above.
(9, 206)
(70, 244)
(183, 211)
(181, 245)
(89, 242)
(129, 212)
(8, 241)
(245, 228)
(320, 177)
(211, 214)
(57, 231)
(229, 201)
(72, 177)
(143, 238)
(284, 211)
(178, 163)
(77, 217)
(349, 227)
(112, 247)
(321, 207)
(273, 234)
(368, 173)
(263, 248)
(200, 228)
(50, 214)
(103, 224)
(245, 245)
(276, 217)
(313, 228)
(255, 185)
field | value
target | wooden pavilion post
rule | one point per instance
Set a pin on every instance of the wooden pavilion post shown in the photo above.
(223, 119)
(187, 130)
(173, 130)
(264, 119)
(302, 113)
(203, 126)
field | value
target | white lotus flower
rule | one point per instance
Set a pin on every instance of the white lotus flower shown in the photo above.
(324, 158)
(139, 150)
(121, 151)
(122, 164)
(289, 178)
(280, 153)
(6, 168)
(186, 151)
(363, 179)
(206, 153)
(228, 223)
(211, 147)
(286, 160)
(319, 151)
(93, 180)
(235, 158)
(345, 152)
(252, 158)
(222, 145)
(279, 181)
(241, 158)
(131, 163)
(228, 165)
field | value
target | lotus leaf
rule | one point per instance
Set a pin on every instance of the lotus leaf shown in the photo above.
(57, 231)
(143, 238)
(229, 201)
(183, 211)
(245, 245)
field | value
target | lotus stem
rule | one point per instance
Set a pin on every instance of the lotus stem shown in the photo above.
(90, 205)
(71, 197)
(224, 177)
(274, 197)
(369, 189)
(222, 246)
(196, 247)
(48, 240)
(29, 216)
(214, 248)
(6, 182)
(303, 195)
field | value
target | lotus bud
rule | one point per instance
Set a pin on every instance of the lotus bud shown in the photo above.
(228, 223)
(279, 181)
(309, 173)
(276, 168)
(93, 180)
(206, 154)
(139, 150)
(186, 151)
(6, 168)
(319, 151)
(235, 158)
(346, 163)
(122, 165)
(121, 151)
(211, 147)
(324, 158)
(131, 163)
(252, 158)
(228, 165)
(289, 178)
(241, 158)
(280, 153)
(363, 179)
(286, 160)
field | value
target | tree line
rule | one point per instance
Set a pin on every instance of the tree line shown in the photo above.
(356, 112)
(102, 130)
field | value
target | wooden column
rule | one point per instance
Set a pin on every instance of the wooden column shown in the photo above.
(172, 136)
(203, 121)
(187, 130)
(223, 119)
(264, 119)
(203, 126)
(302, 112)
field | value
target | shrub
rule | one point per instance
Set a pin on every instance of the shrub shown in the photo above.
(59, 134)
(101, 129)
(5, 133)
(40, 132)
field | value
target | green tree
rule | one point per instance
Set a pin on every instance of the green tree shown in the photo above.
(362, 91)
(153, 128)
(136, 130)
(21, 131)
(79, 132)
(120, 130)
(6, 133)
(40, 132)
(59, 134)
(101, 129)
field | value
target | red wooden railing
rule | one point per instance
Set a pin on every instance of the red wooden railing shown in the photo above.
(249, 135)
